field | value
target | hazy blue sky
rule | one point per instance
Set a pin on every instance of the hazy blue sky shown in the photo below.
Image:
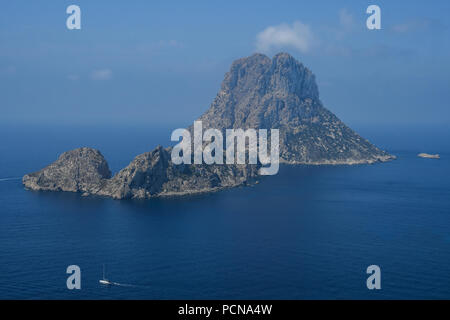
(149, 62)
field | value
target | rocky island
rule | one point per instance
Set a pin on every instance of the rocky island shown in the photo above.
(257, 92)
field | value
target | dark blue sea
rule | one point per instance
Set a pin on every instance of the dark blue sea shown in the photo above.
(306, 233)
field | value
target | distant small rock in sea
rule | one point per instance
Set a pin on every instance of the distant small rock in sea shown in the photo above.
(429, 156)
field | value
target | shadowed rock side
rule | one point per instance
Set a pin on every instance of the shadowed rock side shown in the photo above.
(153, 174)
(257, 92)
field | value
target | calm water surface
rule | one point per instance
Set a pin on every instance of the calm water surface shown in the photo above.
(308, 232)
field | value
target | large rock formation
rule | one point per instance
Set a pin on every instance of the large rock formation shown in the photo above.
(148, 175)
(257, 92)
(153, 174)
(280, 93)
(79, 170)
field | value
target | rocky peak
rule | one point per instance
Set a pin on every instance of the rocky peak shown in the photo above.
(281, 93)
(288, 76)
(246, 74)
(282, 74)
(78, 170)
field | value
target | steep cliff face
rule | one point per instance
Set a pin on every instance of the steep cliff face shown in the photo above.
(257, 92)
(280, 93)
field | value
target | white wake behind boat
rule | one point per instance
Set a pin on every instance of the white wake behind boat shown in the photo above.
(104, 280)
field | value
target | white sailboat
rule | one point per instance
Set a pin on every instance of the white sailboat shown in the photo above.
(104, 280)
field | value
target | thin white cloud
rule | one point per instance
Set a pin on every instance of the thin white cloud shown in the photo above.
(418, 25)
(101, 74)
(409, 26)
(9, 70)
(400, 28)
(346, 19)
(298, 36)
(170, 43)
(73, 77)
(158, 46)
